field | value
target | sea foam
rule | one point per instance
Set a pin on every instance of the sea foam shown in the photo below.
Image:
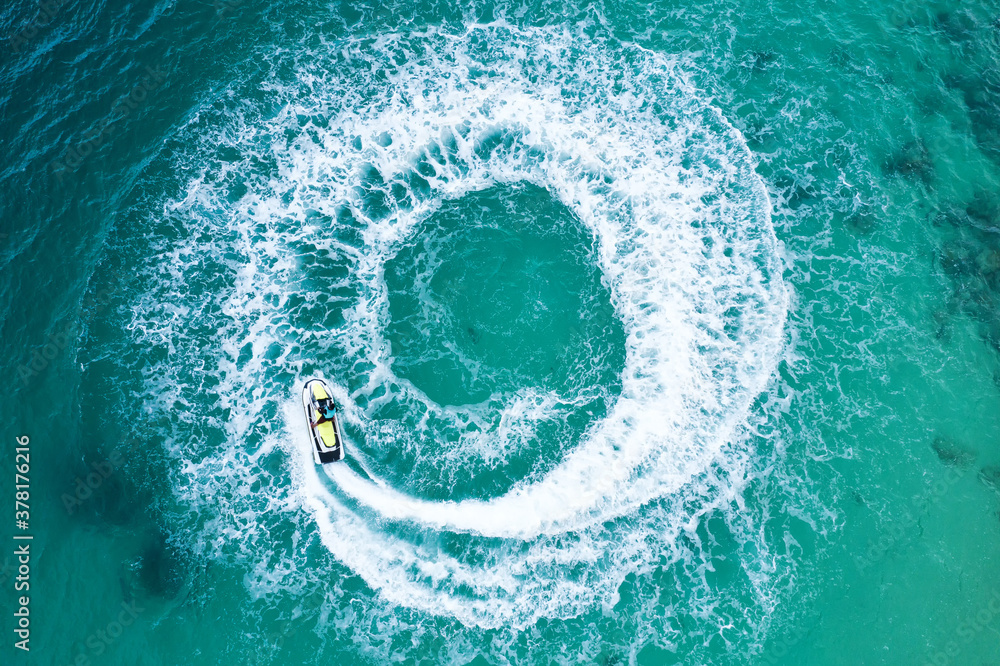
(367, 142)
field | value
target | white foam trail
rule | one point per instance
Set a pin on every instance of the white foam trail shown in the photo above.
(671, 298)
(685, 246)
(686, 385)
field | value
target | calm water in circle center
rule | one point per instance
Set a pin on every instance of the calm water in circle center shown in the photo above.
(498, 290)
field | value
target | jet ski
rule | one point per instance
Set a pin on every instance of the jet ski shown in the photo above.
(323, 421)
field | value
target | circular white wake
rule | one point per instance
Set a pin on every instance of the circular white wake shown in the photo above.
(370, 138)
(685, 245)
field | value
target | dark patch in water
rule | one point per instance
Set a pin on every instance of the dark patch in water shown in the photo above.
(862, 222)
(117, 502)
(970, 257)
(840, 56)
(942, 322)
(951, 453)
(982, 97)
(795, 192)
(759, 61)
(959, 258)
(161, 568)
(990, 475)
(758, 133)
(98, 490)
(954, 81)
(984, 210)
(958, 26)
(912, 161)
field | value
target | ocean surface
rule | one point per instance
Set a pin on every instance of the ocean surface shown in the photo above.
(664, 332)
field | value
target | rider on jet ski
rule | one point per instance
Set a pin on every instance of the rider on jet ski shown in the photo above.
(325, 412)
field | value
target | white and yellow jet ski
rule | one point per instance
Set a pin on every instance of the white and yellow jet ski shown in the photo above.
(323, 422)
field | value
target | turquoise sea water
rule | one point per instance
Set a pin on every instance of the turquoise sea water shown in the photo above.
(664, 333)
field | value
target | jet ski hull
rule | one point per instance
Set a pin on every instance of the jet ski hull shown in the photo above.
(326, 438)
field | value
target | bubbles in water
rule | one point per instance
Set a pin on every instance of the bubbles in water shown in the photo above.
(290, 257)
